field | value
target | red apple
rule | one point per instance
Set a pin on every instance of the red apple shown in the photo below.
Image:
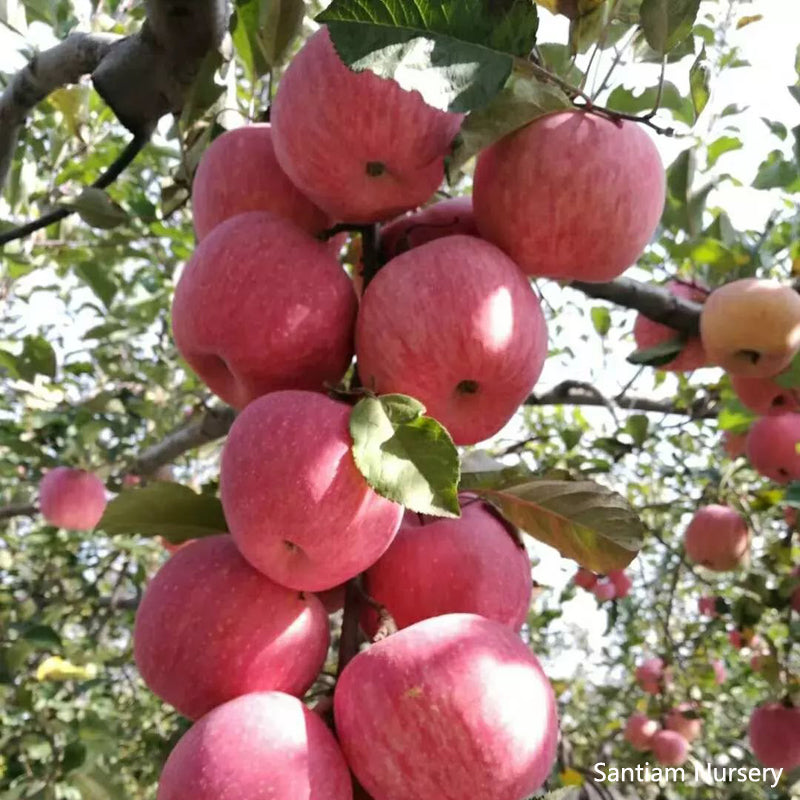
(585, 579)
(295, 502)
(604, 590)
(238, 173)
(439, 566)
(650, 674)
(707, 606)
(717, 538)
(734, 444)
(720, 673)
(262, 306)
(790, 516)
(211, 628)
(455, 324)
(333, 599)
(72, 498)
(359, 146)
(775, 736)
(772, 447)
(260, 746)
(572, 195)
(670, 748)
(639, 731)
(622, 583)
(681, 720)
(648, 334)
(735, 639)
(452, 707)
(764, 395)
(445, 218)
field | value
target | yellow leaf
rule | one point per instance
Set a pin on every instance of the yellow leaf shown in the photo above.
(570, 777)
(748, 20)
(55, 668)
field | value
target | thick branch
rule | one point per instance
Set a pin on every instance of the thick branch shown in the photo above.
(78, 55)
(18, 510)
(576, 393)
(214, 424)
(654, 302)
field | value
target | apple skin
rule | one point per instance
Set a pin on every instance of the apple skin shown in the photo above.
(764, 395)
(771, 447)
(211, 628)
(458, 707)
(585, 579)
(774, 733)
(604, 590)
(734, 444)
(297, 506)
(650, 674)
(571, 196)
(445, 218)
(717, 538)
(455, 324)
(359, 146)
(648, 334)
(259, 746)
(639, 731)
(622, 583)
(688, 727)
(720, 673)
(262, 306)
(751, 327)
(439, 566)
(670, 748)
(707, 606)
(238, 173)
(333, 599)
(72, 498)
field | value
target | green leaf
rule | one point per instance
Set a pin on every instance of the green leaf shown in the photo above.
(775, 172)
(73, 755)
(720, 146)
(457, 53)
(660, 354)
(636, 102)
(95, 783)
(637, 426)
(97, 209)
(667, 22)
(734, 417)
(522, 101)
(37, 358)
(581, 519)
(601, 319)
(95, 275)
(42, 636)
(164, 509)
(405, 456)
(790, 377)
(279, 23)
(699, 79)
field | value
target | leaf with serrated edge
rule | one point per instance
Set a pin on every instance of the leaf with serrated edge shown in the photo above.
(581, 519)
(164, 509)
(522, 101)
(405, 456)
(457, 54)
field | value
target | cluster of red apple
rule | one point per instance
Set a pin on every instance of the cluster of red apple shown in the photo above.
(614, 586)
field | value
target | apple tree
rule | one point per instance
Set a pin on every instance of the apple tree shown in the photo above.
(400, 399)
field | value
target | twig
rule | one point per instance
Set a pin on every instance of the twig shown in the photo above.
(348, 641)
(19, 510)
(132, 149)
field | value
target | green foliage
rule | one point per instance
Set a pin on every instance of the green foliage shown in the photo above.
(466, 49)
(164, 509)
(405, 456)
(666, 23)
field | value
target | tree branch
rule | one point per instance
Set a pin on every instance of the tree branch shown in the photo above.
(214, 424)
(18, 510)
(577, 393)
(140, 77)
(654, 302)
(78, 55)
